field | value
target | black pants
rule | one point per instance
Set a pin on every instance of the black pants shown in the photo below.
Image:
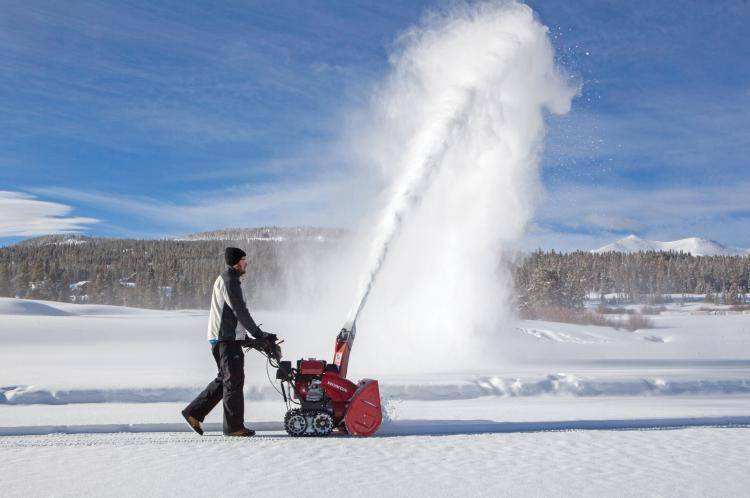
(230, 359)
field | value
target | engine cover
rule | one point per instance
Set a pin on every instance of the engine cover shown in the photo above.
(338, 388)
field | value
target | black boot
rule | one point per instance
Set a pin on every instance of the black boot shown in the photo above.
(244, 432)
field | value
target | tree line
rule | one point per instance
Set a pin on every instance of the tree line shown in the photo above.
(564, 279)
(178, 274)
(157, 274)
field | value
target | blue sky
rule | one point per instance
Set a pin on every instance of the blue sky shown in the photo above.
(153, 119)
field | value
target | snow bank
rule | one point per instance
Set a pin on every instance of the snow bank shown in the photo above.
(32, 308)
(27, 395)
(29, 307)
(564, 384)
(551, 385)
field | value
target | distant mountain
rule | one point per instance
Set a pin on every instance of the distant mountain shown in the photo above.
(693, 245)
(56, 240)
(271, 234)
(262, 234)
(159, 273)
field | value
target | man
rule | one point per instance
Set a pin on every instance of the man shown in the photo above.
(228, 321)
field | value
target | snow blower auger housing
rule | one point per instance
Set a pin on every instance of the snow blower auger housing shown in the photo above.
(326, 399)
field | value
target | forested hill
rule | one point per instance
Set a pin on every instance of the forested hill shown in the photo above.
(179, 273)
(271, 234)
(151, 273)
(563, 279)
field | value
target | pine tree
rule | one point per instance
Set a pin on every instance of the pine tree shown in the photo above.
(734, 295)
(5, 285)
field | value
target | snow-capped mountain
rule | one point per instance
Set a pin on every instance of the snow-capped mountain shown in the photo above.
(693, 245)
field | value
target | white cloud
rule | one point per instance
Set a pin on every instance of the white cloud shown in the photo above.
(611, 221)
(323, 202)
(583, 216)
(664, 206)
(540, 238)
(23, 215)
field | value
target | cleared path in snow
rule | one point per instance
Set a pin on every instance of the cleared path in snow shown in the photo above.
(687, 462)
(410, 427)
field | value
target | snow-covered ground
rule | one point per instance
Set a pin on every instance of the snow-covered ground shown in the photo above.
(566, 410)
(687, 462)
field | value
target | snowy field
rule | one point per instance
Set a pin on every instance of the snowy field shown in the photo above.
(686, 462)
(577, 410)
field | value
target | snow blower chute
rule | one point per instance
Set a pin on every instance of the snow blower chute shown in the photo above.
(326, 399)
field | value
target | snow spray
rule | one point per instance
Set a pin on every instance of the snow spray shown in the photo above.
(422, 161)
(458, 127)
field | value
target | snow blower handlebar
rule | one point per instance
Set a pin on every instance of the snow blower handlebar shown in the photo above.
(266, 346)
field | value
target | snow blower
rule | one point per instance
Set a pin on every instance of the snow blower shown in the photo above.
(325, 398)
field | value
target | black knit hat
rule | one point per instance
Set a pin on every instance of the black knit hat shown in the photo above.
(233, 255)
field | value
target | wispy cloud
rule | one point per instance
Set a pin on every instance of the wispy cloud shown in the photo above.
(673, 138)
(613, 222)
(153, 75)
(577, 216)
(25, 215)
(326, 202)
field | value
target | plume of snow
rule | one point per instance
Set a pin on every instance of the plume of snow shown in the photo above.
(458, 131)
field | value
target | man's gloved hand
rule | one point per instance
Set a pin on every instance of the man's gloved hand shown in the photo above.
(264, 342)
(272, 349)
(271, 338)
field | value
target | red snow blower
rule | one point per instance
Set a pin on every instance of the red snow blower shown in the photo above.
(326, 399)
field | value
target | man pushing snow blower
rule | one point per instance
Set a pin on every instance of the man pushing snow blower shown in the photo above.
(325, 398)
(228, 323)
